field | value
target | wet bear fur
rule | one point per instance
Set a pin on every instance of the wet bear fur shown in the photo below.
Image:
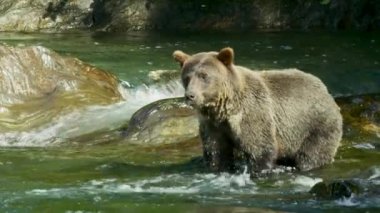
(270, 117)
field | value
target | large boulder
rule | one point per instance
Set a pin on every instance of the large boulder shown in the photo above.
(37, 85)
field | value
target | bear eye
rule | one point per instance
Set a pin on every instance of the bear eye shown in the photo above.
(203, 76)
(186, 80)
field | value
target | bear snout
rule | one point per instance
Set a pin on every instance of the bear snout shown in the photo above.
(193, 99)
(190, 98)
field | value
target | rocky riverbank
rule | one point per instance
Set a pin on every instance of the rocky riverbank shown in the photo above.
(200, 15)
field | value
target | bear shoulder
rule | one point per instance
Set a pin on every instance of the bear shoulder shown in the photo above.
(292, 82)
(285, 75)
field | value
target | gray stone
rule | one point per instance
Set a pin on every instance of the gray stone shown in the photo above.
(162, 122)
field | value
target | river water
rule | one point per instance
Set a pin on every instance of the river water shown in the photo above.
(109, 175)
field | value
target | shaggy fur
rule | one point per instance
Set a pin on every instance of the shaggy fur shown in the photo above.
(270, 117)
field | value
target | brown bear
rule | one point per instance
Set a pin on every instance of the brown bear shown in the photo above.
(270, 117)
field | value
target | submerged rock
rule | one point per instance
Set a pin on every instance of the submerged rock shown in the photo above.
(37, 85)
(336, 189)
(361, 112)
(162, 122)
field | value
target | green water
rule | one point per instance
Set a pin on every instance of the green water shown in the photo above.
(346, 62)
(118, 177)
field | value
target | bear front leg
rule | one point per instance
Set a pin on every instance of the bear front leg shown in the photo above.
(257, 140)
(263, 160)
(217, 149)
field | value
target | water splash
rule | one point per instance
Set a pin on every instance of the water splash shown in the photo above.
(364, 146)
(143, 94)
(375, 173)
(92, 119)
(306, 181)
(348, 202)
(206, 184)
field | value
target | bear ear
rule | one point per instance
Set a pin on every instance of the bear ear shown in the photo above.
(180, 57)
(226, 56)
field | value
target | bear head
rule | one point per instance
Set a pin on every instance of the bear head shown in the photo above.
(206, 76)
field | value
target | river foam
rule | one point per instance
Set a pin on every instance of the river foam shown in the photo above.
(163, 184)
(347, 202)
(180, 183)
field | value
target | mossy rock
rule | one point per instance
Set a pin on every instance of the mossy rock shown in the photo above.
(361, 112)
